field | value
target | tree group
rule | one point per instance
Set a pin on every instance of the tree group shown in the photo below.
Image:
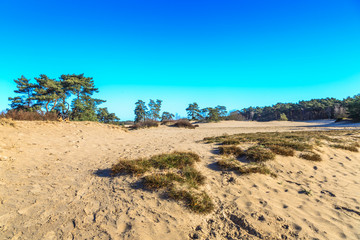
(150, 112)
(70, 96)
(206, 114)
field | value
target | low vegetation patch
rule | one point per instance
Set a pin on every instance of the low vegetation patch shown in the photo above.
(145, 124)
(231, 150)
(171, 173)
(184, 123)
(234, 165)
(266, 145)
(21, 115)
(352, 148)
(259, 154)
(280, 150)
(199, 202)
(311, 156)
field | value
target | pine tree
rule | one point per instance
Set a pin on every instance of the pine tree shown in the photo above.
(166, 116)
(193, 111)
(154, 109)
(47, 92)
(140, 111)
(25, 101)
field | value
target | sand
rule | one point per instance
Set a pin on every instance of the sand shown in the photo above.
(55, 184)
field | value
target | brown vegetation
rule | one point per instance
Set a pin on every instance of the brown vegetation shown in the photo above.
(21, 115)
(234, 165)
(145, 124)
(177, 171)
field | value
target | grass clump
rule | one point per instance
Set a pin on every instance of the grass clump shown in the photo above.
(231, 142)
(161, 161)
(311, 157)
(231, 150)
(157, 181)
(352, 148)
(280, 150)
(145, 124)
(177, 170)
(198, 202)
(259, 154)
(233, 165)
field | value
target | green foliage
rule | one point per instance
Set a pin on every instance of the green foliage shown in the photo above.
(50, 95)
(104, 116)
(327, 108)
(283, 117)
(354, 108)
(140, 111)
(221, 111)
(166, 116)
(193, 111)
(154, 109)
(25, 101)
(48, 92)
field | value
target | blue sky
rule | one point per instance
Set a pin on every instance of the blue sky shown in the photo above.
(232, 53)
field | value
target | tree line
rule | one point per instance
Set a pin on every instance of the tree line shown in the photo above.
(70, 96)
(326, 108)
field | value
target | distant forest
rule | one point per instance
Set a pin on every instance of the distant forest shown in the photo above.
(71, 97)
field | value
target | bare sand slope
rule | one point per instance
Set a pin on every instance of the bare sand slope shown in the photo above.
(55, 184)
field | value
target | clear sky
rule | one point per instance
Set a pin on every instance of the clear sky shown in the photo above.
(235, 53)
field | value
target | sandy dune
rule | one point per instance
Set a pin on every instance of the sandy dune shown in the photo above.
(55, 184)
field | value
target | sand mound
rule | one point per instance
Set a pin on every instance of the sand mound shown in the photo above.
(55, 184)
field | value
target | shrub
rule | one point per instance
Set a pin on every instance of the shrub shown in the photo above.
(259, 154)
(145, 124)
(183, 123)
(21, 115)
(283, 117)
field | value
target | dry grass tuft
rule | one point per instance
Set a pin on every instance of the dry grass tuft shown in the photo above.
(183, 174)
(259, 154)
(231, 150)
(161, 161)
(198, 202)
(233, 165)
(311, 157)
(280, 150)
(352, 148)
(231, 142)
